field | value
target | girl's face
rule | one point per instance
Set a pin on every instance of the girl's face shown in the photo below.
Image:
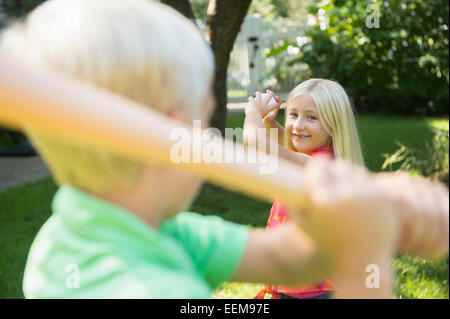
(303, 127)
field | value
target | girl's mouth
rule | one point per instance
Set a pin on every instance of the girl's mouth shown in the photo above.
(300, 137)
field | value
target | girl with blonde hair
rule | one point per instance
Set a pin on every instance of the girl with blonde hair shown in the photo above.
(319, 120)
(336, 116)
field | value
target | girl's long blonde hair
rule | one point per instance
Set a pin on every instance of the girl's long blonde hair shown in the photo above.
(336, 115)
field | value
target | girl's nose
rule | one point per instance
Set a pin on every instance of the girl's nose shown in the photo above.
(299, 124)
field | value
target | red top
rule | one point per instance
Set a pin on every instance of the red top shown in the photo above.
(278, 216)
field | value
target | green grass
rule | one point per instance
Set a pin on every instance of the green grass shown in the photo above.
(379, 135)
(25, 208)
(22, 212)
(417, 278)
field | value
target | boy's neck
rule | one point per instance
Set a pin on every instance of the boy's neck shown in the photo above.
(146, 200)
(160, 194)
(138, 204)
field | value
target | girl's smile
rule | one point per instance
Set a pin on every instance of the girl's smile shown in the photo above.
(299, 137)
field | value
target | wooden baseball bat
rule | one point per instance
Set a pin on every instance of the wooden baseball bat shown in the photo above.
(72, 109)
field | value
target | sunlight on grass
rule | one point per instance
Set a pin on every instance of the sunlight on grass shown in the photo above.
(438, 123)
(237, 290)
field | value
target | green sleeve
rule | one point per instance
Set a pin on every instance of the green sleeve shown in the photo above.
(216, 245)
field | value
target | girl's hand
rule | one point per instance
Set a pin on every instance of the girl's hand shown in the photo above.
(272, 115)
(264, 105)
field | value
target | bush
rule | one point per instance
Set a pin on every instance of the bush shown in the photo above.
(11, 10)
(18, 8)
(399, 68)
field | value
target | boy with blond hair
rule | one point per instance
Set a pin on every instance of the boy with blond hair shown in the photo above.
(117, 222)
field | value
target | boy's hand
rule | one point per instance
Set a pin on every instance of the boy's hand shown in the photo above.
(360, 219)
(423, 211)
(263, 104)
(346, 214)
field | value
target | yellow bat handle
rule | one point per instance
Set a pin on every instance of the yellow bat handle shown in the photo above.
(73, 109)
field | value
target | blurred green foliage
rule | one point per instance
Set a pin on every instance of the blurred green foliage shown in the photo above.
(292, 9)
(11, 10)
(400, 67)
(17, 8)
(295, 10)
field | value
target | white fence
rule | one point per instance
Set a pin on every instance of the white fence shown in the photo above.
(249, 68)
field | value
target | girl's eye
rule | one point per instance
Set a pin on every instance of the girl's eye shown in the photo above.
(312, 117)
(293, 114)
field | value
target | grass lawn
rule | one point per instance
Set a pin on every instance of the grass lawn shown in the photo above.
(25, 208)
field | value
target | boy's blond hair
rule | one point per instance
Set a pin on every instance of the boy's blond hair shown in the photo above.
(336, 114)
(129, 47)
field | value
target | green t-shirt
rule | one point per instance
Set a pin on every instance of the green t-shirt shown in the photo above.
(91, 248)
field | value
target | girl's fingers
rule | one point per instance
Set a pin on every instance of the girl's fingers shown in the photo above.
(274, 96)
(262, 103)
(273, 114)
(277, 99)
(270, 117)
(268, 96)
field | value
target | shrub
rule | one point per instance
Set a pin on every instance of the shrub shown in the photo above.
(401, 67)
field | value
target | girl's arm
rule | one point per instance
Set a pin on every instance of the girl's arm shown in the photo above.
(254, 122)
(272, 123)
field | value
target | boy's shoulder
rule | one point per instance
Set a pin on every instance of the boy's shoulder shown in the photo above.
(111, 253)
(63, 264)
(113, 277)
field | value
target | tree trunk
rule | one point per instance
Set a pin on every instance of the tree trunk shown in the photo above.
(182, 6)
(223, 22)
